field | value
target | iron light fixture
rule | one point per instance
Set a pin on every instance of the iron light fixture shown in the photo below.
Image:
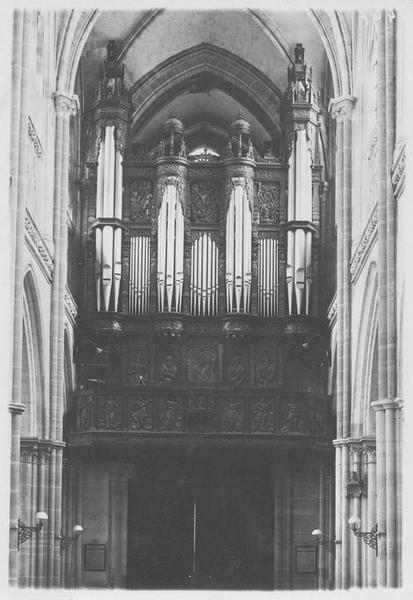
(369, 537)
(329, 544)
(66, 540)
(25, 532)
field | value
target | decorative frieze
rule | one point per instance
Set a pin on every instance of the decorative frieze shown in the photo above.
(38, 247)
(245, 412)
(367, 240)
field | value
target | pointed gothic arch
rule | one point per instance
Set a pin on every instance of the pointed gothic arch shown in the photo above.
(33, 374)
(366, 358)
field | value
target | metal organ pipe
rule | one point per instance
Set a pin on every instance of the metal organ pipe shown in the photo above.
(299, 240)
(268, 277)
(204, 274)
(108, 239)
(238, 245)
(170, 248)
(139, 275)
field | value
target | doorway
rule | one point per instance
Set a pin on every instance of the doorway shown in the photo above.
(201, 520)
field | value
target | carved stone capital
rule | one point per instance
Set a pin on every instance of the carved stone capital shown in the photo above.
(342, 108)
(65, 104)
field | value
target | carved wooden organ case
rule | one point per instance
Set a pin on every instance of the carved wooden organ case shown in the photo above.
(201, 275)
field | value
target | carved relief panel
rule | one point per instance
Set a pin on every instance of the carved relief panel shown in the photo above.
(141, 195)
(232, 415)
(269, 202)
(202, 363)
(236, 365)
(204, 201)
(265, 366)
(84, 417)
(168, 364)
(293, 417)
(138, 366)
(109, 414)
(262, 416)
(140, 416)
(171, 414)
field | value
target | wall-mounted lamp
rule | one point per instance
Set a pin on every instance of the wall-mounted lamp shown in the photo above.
(368, 537)
(95, 347)
(25, 532)
(329, 544)
(326, 358)
(66, 540)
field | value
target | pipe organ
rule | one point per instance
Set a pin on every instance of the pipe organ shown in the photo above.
(204, 276)
(174, 233)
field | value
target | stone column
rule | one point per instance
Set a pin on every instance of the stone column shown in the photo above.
(370, 452)
(338, 511)
(381, 492)
(342, 110)
(65, 106)
(345, 513)
(356, 510)
(23, 33)
(391, 496)
(42, 503)
(331, 530)
(322, 521)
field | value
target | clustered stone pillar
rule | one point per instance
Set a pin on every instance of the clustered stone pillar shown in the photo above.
(386, 406)
(65, 106)
(23, 35)
(342, 109)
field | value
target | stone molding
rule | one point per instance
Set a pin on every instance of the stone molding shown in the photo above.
(332, 311)
(342, 108)
(38, 247)
(364, 247)
(70, 306)
(399, 169)
(66, 105)
(34, 138)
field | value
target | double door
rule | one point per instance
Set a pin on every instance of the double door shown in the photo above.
(201, 522)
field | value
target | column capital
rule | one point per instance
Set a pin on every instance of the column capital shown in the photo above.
(16, 409)
(341, 108)
(385, 404)
(65, 103)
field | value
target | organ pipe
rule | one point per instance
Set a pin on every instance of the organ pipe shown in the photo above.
(108, 238)
(238, 246)
(139, 274)
(268, 277)
(204, 276)
(170, 248)
(299, 239)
